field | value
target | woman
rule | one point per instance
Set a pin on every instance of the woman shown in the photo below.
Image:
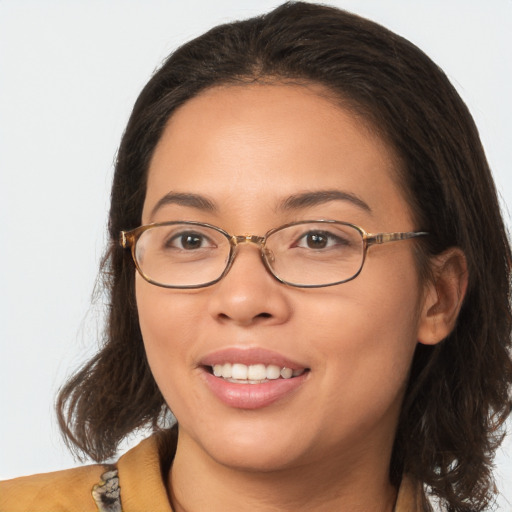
(348, 347)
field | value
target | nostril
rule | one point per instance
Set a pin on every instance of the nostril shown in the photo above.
(242, 320)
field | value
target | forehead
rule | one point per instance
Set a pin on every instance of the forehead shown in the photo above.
(259, 143)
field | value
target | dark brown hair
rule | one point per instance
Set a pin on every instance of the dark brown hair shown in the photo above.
(459, 391)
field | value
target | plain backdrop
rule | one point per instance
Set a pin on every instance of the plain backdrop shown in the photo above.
(69, 74)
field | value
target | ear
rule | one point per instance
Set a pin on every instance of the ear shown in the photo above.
(443, 298)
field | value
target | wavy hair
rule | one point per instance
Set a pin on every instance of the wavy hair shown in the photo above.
(459, 393)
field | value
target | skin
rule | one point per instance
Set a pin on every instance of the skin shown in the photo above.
(326, 445)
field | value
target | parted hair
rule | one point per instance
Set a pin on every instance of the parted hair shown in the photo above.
(459, 391)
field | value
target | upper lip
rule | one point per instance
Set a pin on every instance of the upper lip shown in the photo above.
(249, 356)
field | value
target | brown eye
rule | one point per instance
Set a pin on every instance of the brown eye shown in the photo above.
(189, 241)
(316, 240)
(321, 240)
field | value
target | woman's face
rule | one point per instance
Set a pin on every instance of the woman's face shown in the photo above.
(248, 150)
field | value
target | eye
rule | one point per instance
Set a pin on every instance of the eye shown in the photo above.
(320, 240)
(189, 241)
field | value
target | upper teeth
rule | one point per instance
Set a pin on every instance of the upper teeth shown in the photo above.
(254, 372)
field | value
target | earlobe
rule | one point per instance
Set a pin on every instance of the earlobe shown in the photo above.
(444, 294)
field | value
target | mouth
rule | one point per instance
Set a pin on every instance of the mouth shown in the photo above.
(239, 373)
(252, 378)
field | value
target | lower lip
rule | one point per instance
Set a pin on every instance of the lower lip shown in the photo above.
(252, 396)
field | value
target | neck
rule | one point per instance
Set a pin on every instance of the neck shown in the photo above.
(351, 483)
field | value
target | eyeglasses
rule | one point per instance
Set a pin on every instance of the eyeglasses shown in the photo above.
(306, 254)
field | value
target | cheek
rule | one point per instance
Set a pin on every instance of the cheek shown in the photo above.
(162, 322)
(365, 336)
(167, 326)
(378, 332)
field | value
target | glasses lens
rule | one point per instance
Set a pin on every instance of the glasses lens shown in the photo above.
(315, 254)
(182, 255)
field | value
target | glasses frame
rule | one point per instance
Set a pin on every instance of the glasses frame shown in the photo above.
(128, 239)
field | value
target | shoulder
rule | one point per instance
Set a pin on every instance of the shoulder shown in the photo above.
(137, 481)
(56, 491)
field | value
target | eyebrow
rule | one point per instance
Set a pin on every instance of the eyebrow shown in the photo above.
(307, 199)
(185, 199)
(293, 202)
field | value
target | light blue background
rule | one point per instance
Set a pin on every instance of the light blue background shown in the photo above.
(69, 74)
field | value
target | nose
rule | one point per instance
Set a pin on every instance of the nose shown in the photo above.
(248, 294)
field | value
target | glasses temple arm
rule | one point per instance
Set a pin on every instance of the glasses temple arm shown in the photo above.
(382, 238)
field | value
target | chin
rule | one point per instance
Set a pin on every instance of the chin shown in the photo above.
(257, 458)
(253, 446)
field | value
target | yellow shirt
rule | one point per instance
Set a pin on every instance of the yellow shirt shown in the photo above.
(138, 478)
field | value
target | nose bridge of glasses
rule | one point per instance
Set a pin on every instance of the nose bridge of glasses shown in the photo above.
(266, 253)
(267, 256)
(248, 239)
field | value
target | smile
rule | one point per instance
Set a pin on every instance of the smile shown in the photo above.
(239, 373)
(252, 377)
